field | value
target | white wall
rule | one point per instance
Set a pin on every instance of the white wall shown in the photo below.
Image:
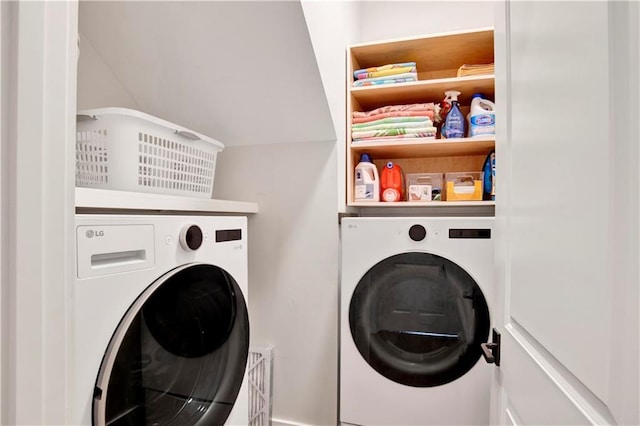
(394, 19)
(242, 72)
(293, 273)
(330, 50)
(98, 86)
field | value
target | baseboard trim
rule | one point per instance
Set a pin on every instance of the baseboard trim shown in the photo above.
(281, 422)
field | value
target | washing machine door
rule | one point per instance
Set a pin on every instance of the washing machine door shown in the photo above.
(419, 319)
(179, 355)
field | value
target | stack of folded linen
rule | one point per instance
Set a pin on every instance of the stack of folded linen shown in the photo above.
(395, 122)
(386, 74)
(482, 69)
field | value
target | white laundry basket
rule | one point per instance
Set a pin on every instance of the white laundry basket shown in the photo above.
(127, 150)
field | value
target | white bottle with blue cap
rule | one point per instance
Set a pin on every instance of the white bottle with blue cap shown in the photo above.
(481, 117)
(367, 181)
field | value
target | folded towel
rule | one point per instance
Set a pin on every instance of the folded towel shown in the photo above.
(393, 120)
(381, 68)
(429, 114)
(384, 73)
(430, 106)
(481, 69)
(426, 135)
(399, 78)
(402, 125)
(391, 132)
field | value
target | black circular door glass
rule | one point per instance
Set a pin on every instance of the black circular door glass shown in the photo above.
(419, 319)
(183, 357)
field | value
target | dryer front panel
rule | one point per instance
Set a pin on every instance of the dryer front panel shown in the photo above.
(179, 355)
(419, 319)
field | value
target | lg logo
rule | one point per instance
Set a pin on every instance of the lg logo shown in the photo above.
(91, 233)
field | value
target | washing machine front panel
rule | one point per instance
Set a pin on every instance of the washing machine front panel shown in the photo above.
(418, 319)
(106, 292)
(179, 355)
(370, 397)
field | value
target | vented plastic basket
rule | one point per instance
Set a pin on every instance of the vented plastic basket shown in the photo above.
(127, 150)
(259, 372)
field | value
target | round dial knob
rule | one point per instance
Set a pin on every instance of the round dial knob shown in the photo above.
(417, 232)
(191, 237)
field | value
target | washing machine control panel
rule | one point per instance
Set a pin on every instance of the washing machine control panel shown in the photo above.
(191, 237)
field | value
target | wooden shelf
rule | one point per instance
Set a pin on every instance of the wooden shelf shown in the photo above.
(90, 199)
(372, 97)
(420, 147)
(433, 52)
(429, 204)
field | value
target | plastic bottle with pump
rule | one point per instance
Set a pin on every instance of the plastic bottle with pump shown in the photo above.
(454, 123)
(367, 181)
(392, 183)
(481, 117)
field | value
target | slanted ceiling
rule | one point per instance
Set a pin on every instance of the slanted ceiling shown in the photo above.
(242, 72)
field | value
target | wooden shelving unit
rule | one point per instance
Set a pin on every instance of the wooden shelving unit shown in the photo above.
(438, 58)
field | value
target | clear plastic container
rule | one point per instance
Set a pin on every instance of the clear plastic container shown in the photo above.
(464, 186)
(424, 186)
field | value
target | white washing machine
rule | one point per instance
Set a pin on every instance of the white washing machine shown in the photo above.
(161, 324)
(415, 308)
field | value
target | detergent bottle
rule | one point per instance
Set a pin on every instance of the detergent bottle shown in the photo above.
(392, 182)
(454, 123)
(481, 117)
(367, 181)
(489, 170)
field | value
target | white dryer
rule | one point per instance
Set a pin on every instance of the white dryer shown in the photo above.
(414, 311)
(161, 329)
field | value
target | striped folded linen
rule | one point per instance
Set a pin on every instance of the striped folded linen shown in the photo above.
(394, 120)
(426, 135)
(394, 114)
(399, 78)
(386, 73)
(424, 122)
(373, 71)
(392, 132)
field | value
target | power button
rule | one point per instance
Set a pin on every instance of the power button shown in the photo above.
(417, 233)
(191, 237)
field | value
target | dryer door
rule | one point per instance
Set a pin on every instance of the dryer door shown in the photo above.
(419, 319)
(179, 355)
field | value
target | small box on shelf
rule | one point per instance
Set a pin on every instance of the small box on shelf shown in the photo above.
(464, 186)
(424, 187)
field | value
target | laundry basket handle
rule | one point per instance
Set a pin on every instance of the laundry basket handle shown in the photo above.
(187, 135)
(85, 117)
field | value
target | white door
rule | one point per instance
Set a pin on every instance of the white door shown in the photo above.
(567, 213)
